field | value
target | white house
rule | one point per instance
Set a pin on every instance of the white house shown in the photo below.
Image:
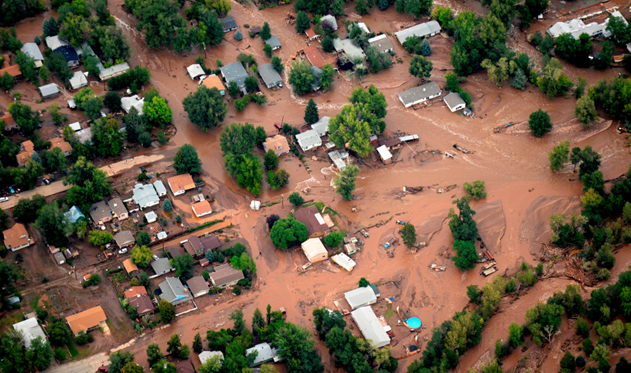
(454, 102)
(420, 94)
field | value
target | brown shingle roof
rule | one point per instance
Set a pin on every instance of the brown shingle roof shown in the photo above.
(87, 319)
(16, 236)
(197, 285)
(307, 216)
(211, 242)
(225, 274)
(59, 142)
(316, 58)
(143, 304)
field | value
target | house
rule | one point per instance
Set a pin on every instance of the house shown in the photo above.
(9, 123)
(59, 258)
(198, 286)
(328, 21)
(86, 320)
(100, 213)
(420, 94)
(134, 101)
(384, 154)
(29, 329)
(134, 291)
(363, 27)
(12, 70)
(370, 326)
(180, 184)
(194, 246)
(54, 42)
(270, 76)
(276, 143)
(347, 47)
(84, 136)
(228, 24)
(234, 72)
(338, 157)
(49, 91)
(392, 143)
(204, 356)
(32, 50)
(78, 80)
(423, 30)
(308, 140)
(381, 43)
(142, 303)
(74, 215)
(255, 30)
(71, 105)
(173, 291)
(344, 261)
(615, 13)
(210, 242)
(151, 217)
(311, 34)
(316, 58)
(26, 151)
(454, 102)
(184, 366)
(62, 144)
(202, 208)
(144, 195)
(124, 239)
(314, 250)
(173, 251)
(360, 297)
(130, 267)
(160, 188)
(113, 71)
(264, 354)
(321, 126)
(311, 217)
(70, 55)
(161, 266)
(195, 71)
(225, 275)
(576, 27)
(273, 42)
(213, 81)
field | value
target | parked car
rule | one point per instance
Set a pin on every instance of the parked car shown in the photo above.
(122, 251)
(155, 257)
(4, 199)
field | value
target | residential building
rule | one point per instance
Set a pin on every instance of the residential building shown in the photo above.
(198, 286)
(278, 144)
(161, 190)
(124, 239)
(32, 50)
(12, 70)
(270, 76)
(314, 250)
(360, 297)
(26, 151)
(135, 291)
(316, 58)
(70, 55)
(273, 42)
(420, 94)
(255, 30)
(213, 81)
(234, 72)
(321, 126)
(49, 91)
(312, 219)
(195, 71)
(59, 258)
(84, 136)
(229, 24)
(264, 353)
(144, 195)
(78, 80)
(119, 211)
(151, 217)
(194, 246)
(62, 144)
(54, 42)
(113, 71)
(308, 140)
(87, 320)
(204, 356)
(338, 157)
(311, 34)
(344, 261)
(173, 291)
(134, 101)
(384, 154)
(74, 215)
(130, 267)
(381, 43)
(76, 126)
(370, 326)
(30, 329)
(454, 102)
(180, 184)
(161, 266)
(363, 27)
(423, 30)
(202, 208)
(347, 47)
(225, 275)
(100, 213)
(9, 123)
(142, 303)
(576, 27)
(328, 20)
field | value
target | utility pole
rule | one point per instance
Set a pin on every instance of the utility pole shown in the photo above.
(282, 200)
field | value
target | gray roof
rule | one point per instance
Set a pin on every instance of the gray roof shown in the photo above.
(161, 266)
(134, 101)
(234, 72)
(360, 297)
(228, 22)
(145, 195)
(195, 70)
(453, 99)
(273, 42)
(204, 356)
(225, 274)
(49, 90)
(78, 80)
(338, 157)
(419, 93)
(381, 43)
(114, 71)
(151, 216)
(87, 47)
(422, 30)
(74, 214)
(173, 290)
(329, 18)
(84, 136)
(265, 353)
(350, 49)
(32, 50)
(270, 76)
(160, 188)
(54, 42)
(308, 139)
(369, 325)
(197, 284)
(117, 206)
(100, 211)
(30, 329)
(124, 238)
(321, 126)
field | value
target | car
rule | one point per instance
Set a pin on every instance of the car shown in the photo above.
(155, 257)
(4, 199)
(46, 181)
(142, 169)
(122, 251)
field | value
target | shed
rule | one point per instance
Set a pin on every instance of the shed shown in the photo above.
(229, 24)
(420, 94)
(265, 353)
(124, 239)
(59, 258)
(372, 330)
(344, 261)
(359, 297)
(314, 250)
(204, 356)
(276, 143)
(161, 266)
(423, 30)
(195, 71)
(270, 76)
(160, 188)
(161, 235)
(76, 126)
(225, 275)
(49, 90)
(173, 291)
(130, 267)
(384, 154)
(32, 50)
(454, 102)
(308, 140)
(29, 329)
(198, 286)
(151, 217)
(213, 81)
(113, 71)
(321, 126)
(381, 43)
(72, 106)
(234, 72)
(273, 42)
(78, 80)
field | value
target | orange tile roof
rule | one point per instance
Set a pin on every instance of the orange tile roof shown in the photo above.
(87, 319)
(16, 236)
(213, 81)
(8, 119)
(277, 143)
(316, 58)
(201, 208)
(311, 33)
(135, 290)
(59, 142)
(181, 182)
(25, 154)
(129, 266)
(11, 70)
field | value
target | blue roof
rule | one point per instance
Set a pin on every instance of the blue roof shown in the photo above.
(74, 215)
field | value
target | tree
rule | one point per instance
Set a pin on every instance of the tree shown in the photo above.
(251, 84)
(240, 139)
(25, 210)
(301, 77)
(559, 156)
(106, 135)
(247, 169)
(186, 160)
(154, 354)
(268, 50)
(174, 346)
(56, 63)
(27, 67)
(157, 111)
(297, 349)
(333, 239)
(288, 232)
(265, 32)
(167, 205)
(205, 107)
(258, 322)
(112, 101)
(420, 67)
(519, 80)
(590, 161)
(327, 44)
(6, 82)
(270, 160)
(183, 265)
(552, 81)
(351, 128)
(586, 111)
(408, 233)
(539, 123)
(277, 64)
(141, 256)
(296, 199)
(326, 77)
(515, 334)
(100, 238)
(311, 112)
(143, 238)
(50, 27)
(361, 7)
(166, 310)
(120, 359)
(467, 255)
(462, 226)
(499, 72)
(25, 118)
(302, 22)
(278, 179)
(345, 181)
(53, 225)
(475, 191)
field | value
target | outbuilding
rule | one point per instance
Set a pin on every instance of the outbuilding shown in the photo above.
(360, 297)
(344, 261)
(381, 43)
(130, 267)
(308, 140)
(454, 102)
(202, 208)
(160, 188)
(384, 154)
(78, 80)
(314, 250)
(151, 217)
(49, 91)
(195, 71)
(273, 42)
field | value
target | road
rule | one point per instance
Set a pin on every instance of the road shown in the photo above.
(88, 365)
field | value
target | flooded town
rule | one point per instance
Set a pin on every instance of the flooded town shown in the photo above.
(304, 186)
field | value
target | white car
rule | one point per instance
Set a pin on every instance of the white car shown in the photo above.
(4, 199)
(122, 251)
(155, 257)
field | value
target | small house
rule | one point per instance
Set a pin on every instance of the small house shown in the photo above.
(202, 208)
(454, 102)
(134, 101)
(360, 297)
(70, 55)
(213, 81)
(370, 327)
(78, 80)
(314, 250)
(130, 267)
(419, 94)
(113, 71)
(74, 215)
(87, 320)
(270, 76)
(264, 353)
(277, 143)
(134, 291)
(84, 136)
(225, 275)
(30, 329)
(124, 239)
(119, 211)
(229, 24)
(204, 356)
(161, 266)
(321, 126)
(198, 286)
(16, 237)
(313, 220)
(151, 217)
(422, 30)
(234, 72)
(273, 42)
(347, 47)
(100, 213)
(311, 34)
(381, 43)
(27, 148)
(145, 196)
(344, 261)
(160, 188)
(195, 71)
(173, 291)
(54, 42)
(338, 157)
(384, 154)
(142, 303)
(308, 140)
(316, 58)
(62, 144)
(76, 126)
(328, 21)
(32, 50)
(9, 123)
(180, 184)
(59, 258)
(49, 91)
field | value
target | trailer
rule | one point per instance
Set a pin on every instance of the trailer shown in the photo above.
(489, 271)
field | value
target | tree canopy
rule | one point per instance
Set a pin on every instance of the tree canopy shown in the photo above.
(186, 160)
(288, 232)
(205, 107)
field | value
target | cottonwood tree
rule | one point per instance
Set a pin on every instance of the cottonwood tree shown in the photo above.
(586, 111)
(27, 120)
(166, 310)
(420, 67)
(349, 128)
(345, 181)
(559, 156)
(288, 232)
(408, 233)
(539, 123)
(301, 77)
(120, 359)
(552, 81)
(186, 160)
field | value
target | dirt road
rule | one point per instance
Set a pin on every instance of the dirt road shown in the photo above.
(45, 190)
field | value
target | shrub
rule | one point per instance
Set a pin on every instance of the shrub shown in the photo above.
(296, 199)
(333, 239)
(363, 282)
(475, 191)
(238, 36)
(236, 290)
(580, 361)
(167, 205)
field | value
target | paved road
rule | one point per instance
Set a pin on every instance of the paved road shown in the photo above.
(45, 190)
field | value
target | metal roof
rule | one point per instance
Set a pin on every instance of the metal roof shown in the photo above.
(151, 216)
(270, 76)
(30, 329)
(273, 42)
(419, 93)
(68, 52)
(369, 325)
(381, 43)
(195, 70)
(32, 50)
(422, 30)
(78, 80)
(114, 71)
(160, 188)
(384, 153)
(134, 101)
(359, 297)
(308, 139)
(329, 18)
(54, 42)
(234, 72)
(49, 90)
(453, 99)
(321, 126)
(350, 49)
(265, 353)
(74, 214)
(145, 195)
(204, 356)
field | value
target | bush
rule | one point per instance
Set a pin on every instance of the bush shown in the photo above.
(236, 290)
(238, 36)
(296, 199)
(568, 361)
(142, 176)
(580, 361)
(363, 282)
(475, 191)
(539, 123)
(60, 354)
(333, 239)
(167, 205)
(474, 293)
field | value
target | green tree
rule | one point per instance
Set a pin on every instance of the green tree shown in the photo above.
(475, 191)
(114, 44)
(157, 111)
(233, 89)
(474, 293)
(6, 82)
(590, 161)
(519, 80)
(107, 137)
(296, 199)
(56, 63)
(258, 322)
(205, 107)
(582, 328)
(333, 239)
(363, 283)
(154, 354)
(297, 349)
(302, 22)
(141, 256)
(183, 265)
(167, 206)
(586, 111)
(39, 353)
(579, 91)
(166, 310)
(186, 160)
(552, 81)
(497, 72)
(27, 120)
(467, 256)
(120, 359)
(345, 181)
(327, 44)
(277, 64)
(53, 225)
(539, 123)
(462, 226)
(408, 233)
(100, 238)
(27, 67)
(361, 7)
(515, 334)
(559, 156)
(311, 112)
(301, 77)
(268, 50)
(143, 238)
(588, 346)
(420, 67)
(270, 160)
(112, 101)
(351, 128)
(326, 77)
(278, 179)
(247, 169)
(25, 210)
(265, 32)
(288, 232)
(197, 344)
(174, 346)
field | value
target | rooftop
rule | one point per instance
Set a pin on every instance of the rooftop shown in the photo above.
(321, 126)
(350, 49)
(124, 238)
(197, 285)
(273, 42)
(195, 71)
(359, 297)
(130, 267)
(70, 55)
(13, 70)
(314, 250)
(276, 143)
(49, 90)
(371, 328)
(30, 329)
(265, 353)
(114, 71)
(54, 42)
(202, 208)
(145, 195)
(160, 188)
(269, 75)
(74, 214)
(422, 30)
(59, 142)
(173, 290)
(213, 81)
(316, 57)
(225, 274)
(162, 265)
(134, 291)
(418, 93)
(207, 355)
(87, 319)
(234, 72)
(100, 211)
(453, 99)
(78, 80)
(32, 50)
(228, 22)
(381, 43)
(311, 217)
(181, 182)
(308, 139)
(134, 101)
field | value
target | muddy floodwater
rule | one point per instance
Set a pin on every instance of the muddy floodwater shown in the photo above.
(522, 191)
